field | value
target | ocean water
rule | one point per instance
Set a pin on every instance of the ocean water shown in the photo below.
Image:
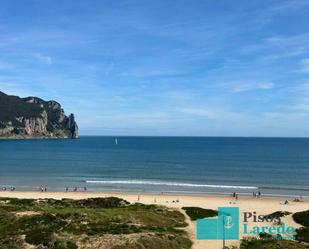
(277, 166)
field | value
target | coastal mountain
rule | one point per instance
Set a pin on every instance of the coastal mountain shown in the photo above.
(33, 117)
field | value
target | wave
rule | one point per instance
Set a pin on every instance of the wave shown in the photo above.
(158, 183)
(284, 188)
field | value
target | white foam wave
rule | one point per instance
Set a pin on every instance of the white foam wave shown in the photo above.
(140, 182)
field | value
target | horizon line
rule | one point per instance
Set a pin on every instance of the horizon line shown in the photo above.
(193, 136)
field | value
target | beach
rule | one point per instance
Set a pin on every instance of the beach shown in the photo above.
(263, 206)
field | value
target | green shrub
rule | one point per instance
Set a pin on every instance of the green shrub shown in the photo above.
(199, 213)
(39, 236)
(302, 234)
(270, 244)
(110, 202)
(71, 245)
(302, 218)
(58, 244)
(278, 214)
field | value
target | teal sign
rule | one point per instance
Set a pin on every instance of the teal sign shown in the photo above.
(223, 227)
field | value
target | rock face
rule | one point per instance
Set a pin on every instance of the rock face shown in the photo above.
(33, 117)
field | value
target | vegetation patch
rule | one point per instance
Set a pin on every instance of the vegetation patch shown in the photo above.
(59, 224)
(199, 213)
(271, 244)
(302, 218)
(278, 214)
(302, 234)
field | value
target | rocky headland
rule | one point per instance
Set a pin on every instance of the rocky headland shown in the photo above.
(33, 117)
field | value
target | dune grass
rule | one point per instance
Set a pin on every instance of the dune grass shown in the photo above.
(59, 224)
(271, 244)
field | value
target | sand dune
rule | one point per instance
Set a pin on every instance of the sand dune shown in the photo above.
(246, 204)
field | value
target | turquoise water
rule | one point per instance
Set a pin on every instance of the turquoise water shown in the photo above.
(159, 164)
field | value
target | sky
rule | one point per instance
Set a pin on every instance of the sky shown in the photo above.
(164, 67)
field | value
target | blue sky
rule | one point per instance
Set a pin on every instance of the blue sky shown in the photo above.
(164, 67)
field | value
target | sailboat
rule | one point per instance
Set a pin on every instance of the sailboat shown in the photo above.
(116, 141)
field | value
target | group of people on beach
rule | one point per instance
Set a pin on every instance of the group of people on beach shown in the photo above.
(42, 189)
(234, 195)
(300, 199)
(258, 194)
(75, 189)
(5, 188)
(255, 195)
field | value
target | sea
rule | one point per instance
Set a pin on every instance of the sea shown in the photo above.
(184, 165)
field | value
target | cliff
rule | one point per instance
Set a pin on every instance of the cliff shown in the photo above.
(33, 117)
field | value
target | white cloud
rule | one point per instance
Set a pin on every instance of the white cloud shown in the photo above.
(246, 86)
(288, 41)
(219, 114)
(202, 112)
(43, 58)
(305, 65)
(300, 101)
(276, 47)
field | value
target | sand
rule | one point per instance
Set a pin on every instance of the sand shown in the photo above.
(261, 205)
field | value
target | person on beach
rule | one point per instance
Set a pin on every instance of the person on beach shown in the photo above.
(85, 189)
(75, 189)
(66, 189)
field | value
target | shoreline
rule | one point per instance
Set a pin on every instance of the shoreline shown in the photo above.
(151, 193)
(93, 194)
